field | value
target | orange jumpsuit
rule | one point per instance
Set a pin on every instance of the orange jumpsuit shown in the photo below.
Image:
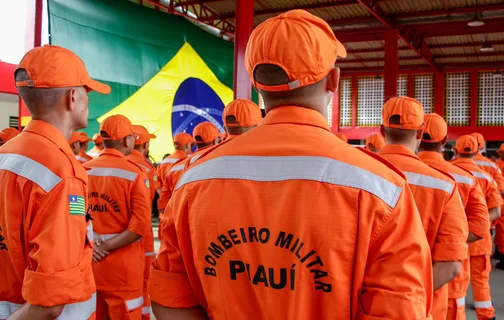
(45, 241)
(165, 165)
(147, 241)
(289, 230)
(94, 152)
(441, 211)
(478, 221)
(119, 201)
(480, 251)
(82, 157)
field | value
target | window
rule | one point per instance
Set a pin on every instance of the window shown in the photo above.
(13, 122)
(370, 96)
(490, 100)
(424, 91)
(402, 86)
(345, 94)
(457, 106)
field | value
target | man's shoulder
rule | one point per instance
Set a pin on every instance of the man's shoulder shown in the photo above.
(429, 177)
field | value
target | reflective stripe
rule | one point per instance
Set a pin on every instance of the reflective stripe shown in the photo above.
(79, 158)
(134, 303)
(177, 168)
(146, 310)
(90, 233)
(486, 164)
(105, 237)
(29, 169)
(481, 175)
(461, 302)
(194, 158)
(113, 172)
(7, 308)
(79, 310)
(265, 169)
(483, 304)
(147, 169)
(462, 179)
(150, 254)
(422, 180)
(170, 160)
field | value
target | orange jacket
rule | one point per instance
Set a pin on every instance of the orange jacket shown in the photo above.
(119, 200)
(94, 152)
(167, 163)
(492, 197)
(82, 157)
(491, 168)
(45, 241)
(148, 168)
(275, 226)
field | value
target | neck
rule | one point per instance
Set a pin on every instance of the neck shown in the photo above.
(412, 145)
(141, 150)
(60, 122)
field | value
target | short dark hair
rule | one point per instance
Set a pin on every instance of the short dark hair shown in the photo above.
(398, 135)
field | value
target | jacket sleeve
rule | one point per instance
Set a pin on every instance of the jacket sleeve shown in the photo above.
(477, 212)
(451, 238)
(398, 277)
(493, 197)
(166, 193)
(140, 222)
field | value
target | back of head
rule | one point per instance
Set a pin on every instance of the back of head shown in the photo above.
(75, 143)
(205, 134)
(118, 133)
(500, 152)
(435, 134)
(98, 140)
(375, 142)
(466, 147)
(240, 116)
(143, 139)
(480, 139)
(403, 121)
(183, 142)
(290, 60)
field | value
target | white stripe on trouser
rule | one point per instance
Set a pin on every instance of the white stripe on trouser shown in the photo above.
(146, 310)
(7, 308)
(79, 310)
(134, 303)
(461, 302)
(483, 304)
(150, 254)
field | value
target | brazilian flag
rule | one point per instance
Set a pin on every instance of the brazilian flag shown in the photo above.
(165, 73)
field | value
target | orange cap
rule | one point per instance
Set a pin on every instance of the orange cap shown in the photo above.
(302, 44)
(117, 127)
(205, 132)
(183, 138)
(501, 148)
(143, 135)
(481, 140)
(83, 137)
(7, 134)
(246, 113)
(466, 145)
(341, 136)
(376, 140)
(97, 138)
(75, 137)
(57, 67)
(410, 111)
(436, 127)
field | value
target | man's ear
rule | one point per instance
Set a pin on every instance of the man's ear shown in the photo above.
(382, 131)
(70, 98)
(333, 79)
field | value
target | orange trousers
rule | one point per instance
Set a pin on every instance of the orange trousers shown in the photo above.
(440, 303)
(499, 234)
(146, 305)
(480, 277)
(456, 309)
(119, 305)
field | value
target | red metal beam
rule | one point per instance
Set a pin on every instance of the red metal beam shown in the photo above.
(193, 2)
(373, 50)
(445, 67)
(444, 29)
(471, 55)
(443, 12)
(360, 35)
(391, 64)
(459, 45)
(347, 61)
(420, 46)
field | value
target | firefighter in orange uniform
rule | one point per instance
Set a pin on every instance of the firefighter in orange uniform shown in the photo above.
(45, 235)
(139, 156)
(183, 143)
(436, 195)
(342, 136)
(7, 134)
(119, 199)
(98, 146)
(251, 240)
(375, 143)
(499, 226)
(240, 116)
(84, 144)
(466, 149)
(473, 199)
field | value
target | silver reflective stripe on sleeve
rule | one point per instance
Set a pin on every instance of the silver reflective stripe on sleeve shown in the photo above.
(134, 303)
(170, 160)
(147, 169)
(146, 310)
(269, 169)
(7, 308)
(194, 158)
(177, 168)
(79, 310)
(113, 172)
(483, 304)
(461, 302)
(29, 169)
(486, 164)
(462, 179)
(481, 175)
(79, 158)
(423, 180)
(90, 233)
(150, 254)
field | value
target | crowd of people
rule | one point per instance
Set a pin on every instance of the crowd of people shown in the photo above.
(278, 218)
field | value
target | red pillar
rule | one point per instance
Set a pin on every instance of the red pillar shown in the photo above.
(391, 64)
(473, 111)
(411, 85)
(439, 93)
(244, 27)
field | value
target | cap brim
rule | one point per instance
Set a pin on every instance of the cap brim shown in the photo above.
(98, 86)
(152, 136)
(340, 49)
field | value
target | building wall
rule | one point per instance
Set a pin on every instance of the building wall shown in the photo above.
(9, 104)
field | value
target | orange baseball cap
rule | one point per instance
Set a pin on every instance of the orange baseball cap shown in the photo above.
(117, 127)
(57, 67)
(436, 127)
(83, 137)
(97, 138)
(75, 137)
(481, 140)
(143, 135)
(7, 134)
(246, 113)
(183, 138)
(501, 148)
(302, 44)
(205, 132)
(410, 111)
(341, 136)
(376, 140)
(466, 145)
